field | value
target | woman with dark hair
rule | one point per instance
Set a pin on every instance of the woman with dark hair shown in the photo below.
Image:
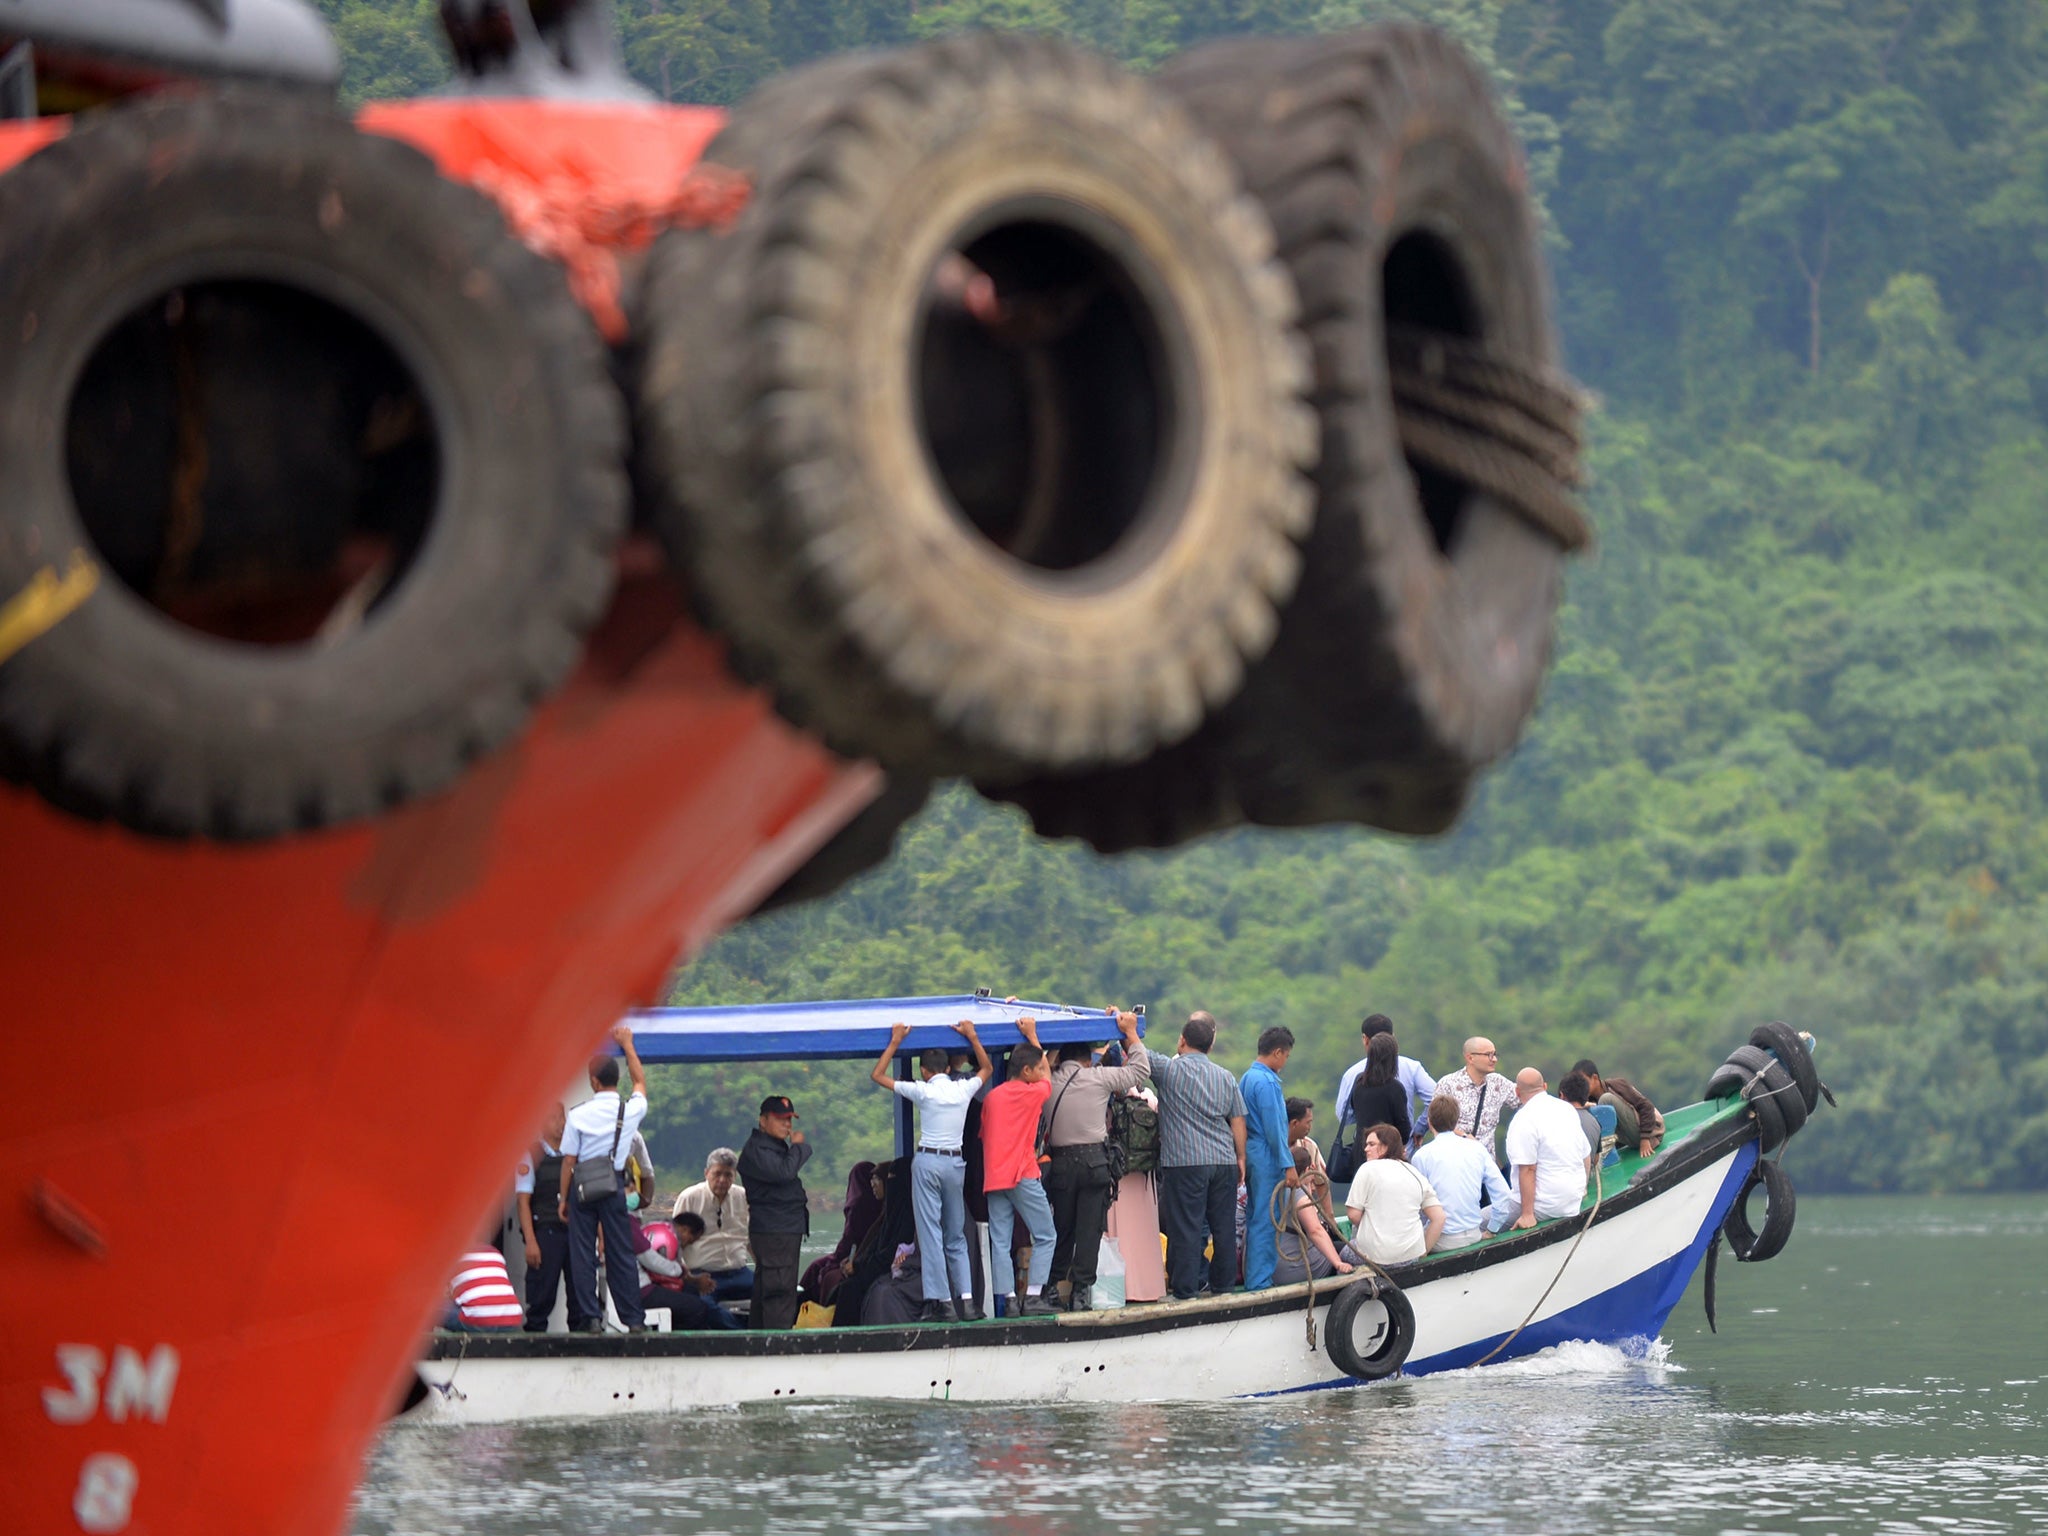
(863, 1208)
(1319, 1257)
(894, 1225)
(1379, 1096)
(1395, 1215)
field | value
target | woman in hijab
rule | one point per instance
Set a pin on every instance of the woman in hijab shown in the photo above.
(863, 1208)
(895, 1225)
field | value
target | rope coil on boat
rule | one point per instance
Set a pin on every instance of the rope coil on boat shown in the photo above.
(1503, 426)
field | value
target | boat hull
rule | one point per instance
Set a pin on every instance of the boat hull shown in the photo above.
(1615, 1285)
(263, 1096)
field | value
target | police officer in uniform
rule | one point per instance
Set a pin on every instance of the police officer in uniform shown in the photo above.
(542, 1226)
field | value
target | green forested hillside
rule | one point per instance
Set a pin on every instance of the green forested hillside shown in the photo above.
(1790, 760)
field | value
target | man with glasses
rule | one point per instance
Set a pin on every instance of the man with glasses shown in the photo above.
(1483, 1095)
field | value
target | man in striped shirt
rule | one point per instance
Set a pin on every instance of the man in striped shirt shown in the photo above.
(1201, 1160)
(482, 1292)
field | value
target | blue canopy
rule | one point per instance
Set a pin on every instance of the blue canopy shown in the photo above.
(860, 1028)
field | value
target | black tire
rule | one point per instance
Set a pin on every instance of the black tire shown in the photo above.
(1783, 1041)
(1770, 1122)
(1733, 1075)
(1411, 654)
(251, 351)
(1775, 1085)
(1370, 1329)
(814, 415)
(1780, 1206)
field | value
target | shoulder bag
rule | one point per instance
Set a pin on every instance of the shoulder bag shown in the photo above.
(593, 1181)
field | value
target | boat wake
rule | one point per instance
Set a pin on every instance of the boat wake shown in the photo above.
(1577, 1359)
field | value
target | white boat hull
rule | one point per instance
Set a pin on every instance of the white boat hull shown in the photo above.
(1619, 1283)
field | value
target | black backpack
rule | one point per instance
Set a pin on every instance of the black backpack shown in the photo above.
(1133, 1136)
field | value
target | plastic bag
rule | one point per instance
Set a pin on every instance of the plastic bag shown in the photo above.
(1108, 1290)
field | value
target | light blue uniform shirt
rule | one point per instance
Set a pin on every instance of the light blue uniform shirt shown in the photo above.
(1458, 1168)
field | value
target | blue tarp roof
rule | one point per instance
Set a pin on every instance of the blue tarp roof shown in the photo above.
(860, 1028)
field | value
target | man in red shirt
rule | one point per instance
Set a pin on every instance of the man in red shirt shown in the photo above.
(1009, 1139)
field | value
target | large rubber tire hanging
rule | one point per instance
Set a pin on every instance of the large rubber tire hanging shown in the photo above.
(1733, 1075)
(981, 435)
(1783, 1040)
(1775, 1088)
(1749, 1245)
(1411, 654)
(1369, 1330)
(343, 453)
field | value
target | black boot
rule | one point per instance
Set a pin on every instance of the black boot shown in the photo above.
(1039, 1306)
(937, 1312)
(1080, 1301)
(970, 1310)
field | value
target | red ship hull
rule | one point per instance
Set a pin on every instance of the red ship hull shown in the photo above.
(261, 1096)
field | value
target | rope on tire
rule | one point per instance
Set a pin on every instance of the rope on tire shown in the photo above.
(1292, 1223)
(1503, 426)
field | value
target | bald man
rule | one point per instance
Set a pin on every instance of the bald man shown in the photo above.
(1547, 1151)
(1483, 1095)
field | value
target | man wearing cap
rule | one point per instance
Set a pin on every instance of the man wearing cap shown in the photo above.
(779, 1212)
(938, 1173)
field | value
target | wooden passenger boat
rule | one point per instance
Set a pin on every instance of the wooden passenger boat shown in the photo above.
(1611, 1275)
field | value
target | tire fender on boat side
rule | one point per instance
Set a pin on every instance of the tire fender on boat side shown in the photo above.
(1411, 654)
(1783, 1041)
(328, 458)
(1780, 1112)
(983, 433)
(1733, 1075)
(1749, 1245)
(1370, 1329)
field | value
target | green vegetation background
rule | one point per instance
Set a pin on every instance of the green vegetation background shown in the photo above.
(1790, 761)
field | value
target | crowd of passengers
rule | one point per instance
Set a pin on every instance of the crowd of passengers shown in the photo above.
(1226, 1170)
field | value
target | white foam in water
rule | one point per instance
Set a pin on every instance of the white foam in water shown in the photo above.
(1578, 1358)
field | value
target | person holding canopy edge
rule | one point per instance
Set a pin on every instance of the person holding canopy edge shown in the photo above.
(938, 1171)
(600, 1133)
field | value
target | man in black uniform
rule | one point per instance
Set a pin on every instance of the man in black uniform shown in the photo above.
(779, 1212)
(546, 1234)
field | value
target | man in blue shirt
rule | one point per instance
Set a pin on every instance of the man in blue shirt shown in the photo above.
(1464, 1175)
(938, 1173)
(1268, 1161)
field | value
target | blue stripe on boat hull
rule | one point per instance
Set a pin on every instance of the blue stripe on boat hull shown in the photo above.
(1634, 1309)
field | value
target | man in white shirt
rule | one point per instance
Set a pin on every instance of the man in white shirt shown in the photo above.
(938, 1173)
(1547, 1151)
(602, 1126)
(1411, 1074)
(722, 1251)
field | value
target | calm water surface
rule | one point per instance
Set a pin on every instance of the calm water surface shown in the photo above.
(1887, 1373)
